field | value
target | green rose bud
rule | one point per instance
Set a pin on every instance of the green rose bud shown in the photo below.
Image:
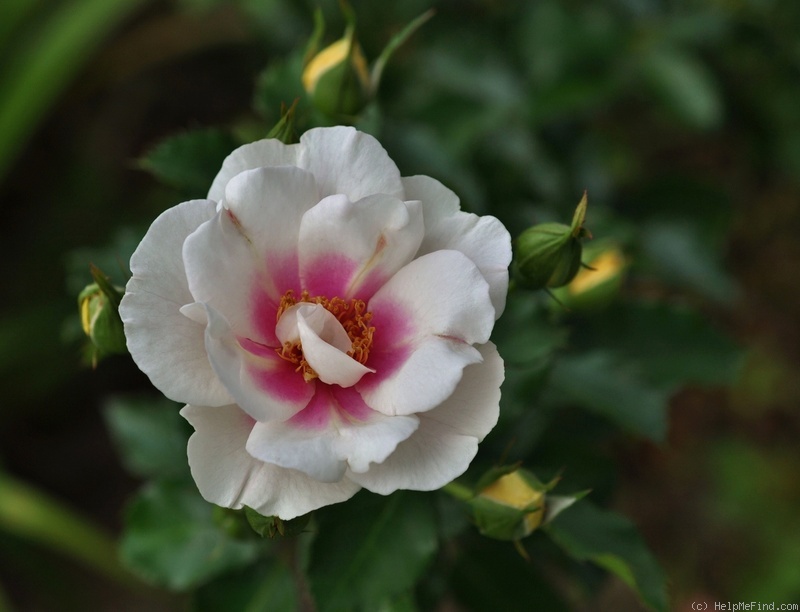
(98, 304)
(549, 255)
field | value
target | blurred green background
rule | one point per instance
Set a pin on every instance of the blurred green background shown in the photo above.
(680, 117)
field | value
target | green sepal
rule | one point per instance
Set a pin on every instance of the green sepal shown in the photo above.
(396, 41)
(501, 522)
(270, 526)
(284, 130)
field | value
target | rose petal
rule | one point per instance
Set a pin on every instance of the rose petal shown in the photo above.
(447, 439)
(336, 431)
(166, 345)
(345, 161)
(342, 159)
(483, 239)
(441, 303)
(227, 475)
(264, 385)
(259, 154)
(349, 249)
(244, 259)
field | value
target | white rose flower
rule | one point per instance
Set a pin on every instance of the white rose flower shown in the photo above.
(326, 322)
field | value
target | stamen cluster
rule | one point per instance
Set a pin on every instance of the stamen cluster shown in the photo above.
(353, 316)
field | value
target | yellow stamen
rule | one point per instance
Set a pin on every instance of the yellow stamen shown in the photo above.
(353, 316)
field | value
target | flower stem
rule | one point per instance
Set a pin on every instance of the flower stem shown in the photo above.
(30, 514)
(458, 490)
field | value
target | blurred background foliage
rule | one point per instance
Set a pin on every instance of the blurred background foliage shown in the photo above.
(672, 395)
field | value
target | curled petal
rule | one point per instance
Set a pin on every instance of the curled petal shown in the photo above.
(264, 385)
(336, 431)
(166, 345)
(350, 249)
(324, 341)
(349, 162)
(227, 475)
(259, 154)
(483, 239)
(342, 159)
(242, 261)
(447, 438)
(426, 317)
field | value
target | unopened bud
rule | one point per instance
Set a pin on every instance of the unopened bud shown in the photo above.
(548, 255)
(98, 304)
(337, 78)
(511, 507)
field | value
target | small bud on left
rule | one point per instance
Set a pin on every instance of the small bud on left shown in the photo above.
(98, 304)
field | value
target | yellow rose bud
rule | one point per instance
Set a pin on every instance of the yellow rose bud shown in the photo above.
(511, 507)
(337, 78)
(98, 305)
(596, 285)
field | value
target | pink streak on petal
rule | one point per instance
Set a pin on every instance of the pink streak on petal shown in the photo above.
(274, 375)
(317, 413)
(350, 404)
(280, 275)
(328, 275)
(391, 344)
(331, 401)
(367, 287)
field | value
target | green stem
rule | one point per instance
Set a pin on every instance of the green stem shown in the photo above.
(32, 515)
(458, 490)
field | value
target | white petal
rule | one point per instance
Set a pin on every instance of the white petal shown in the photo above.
(483, 239)
(260, 154)
(349, 249)
(243, 260)
(324, 342)
(336, 431)
(348, 162)
(447, 439)
(426, 318)
(263, 384)
(166, 345)
(227, 475)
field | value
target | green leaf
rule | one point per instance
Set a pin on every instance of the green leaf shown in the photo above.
(371, 549)
(150, 436)
(191, 160)
(683, 254)
(46, 60)
(685, 86)
(171, 538)
(267, 586)
(605, 385)
(588, 533)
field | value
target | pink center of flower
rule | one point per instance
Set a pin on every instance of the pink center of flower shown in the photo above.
(352, 315)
